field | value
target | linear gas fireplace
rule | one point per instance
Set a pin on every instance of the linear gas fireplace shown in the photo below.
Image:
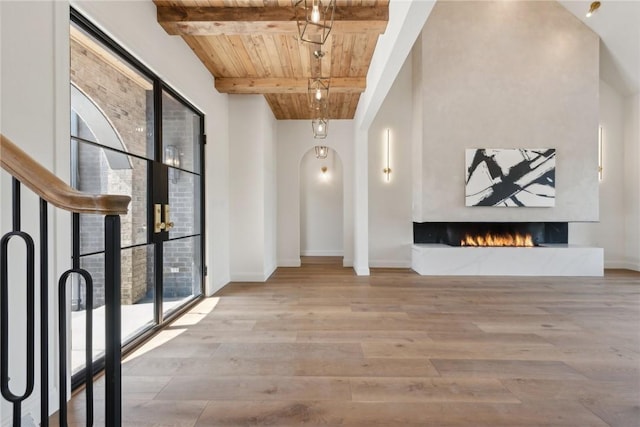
(491, 234)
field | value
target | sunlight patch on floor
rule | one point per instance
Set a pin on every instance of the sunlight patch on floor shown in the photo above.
(176, 328)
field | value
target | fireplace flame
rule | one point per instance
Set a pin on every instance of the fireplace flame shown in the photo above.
(498, 240)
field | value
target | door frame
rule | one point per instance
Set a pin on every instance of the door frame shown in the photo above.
(159, 86)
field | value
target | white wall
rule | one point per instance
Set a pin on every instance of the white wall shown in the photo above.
(294, 140)
(618, 231)
(416, 129)
(321, 205)
(35, 114)
(251, 172)
(406, 19)
(270, 129)
(508, 75)
(632, 180)
(390, 216)
(134, 26)
(609, 233)
(36, 85)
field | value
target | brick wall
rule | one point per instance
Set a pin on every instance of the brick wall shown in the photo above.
(129, 108)
(180, 130)
(124, 103)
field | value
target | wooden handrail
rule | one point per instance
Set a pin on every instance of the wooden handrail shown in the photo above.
(52, 189)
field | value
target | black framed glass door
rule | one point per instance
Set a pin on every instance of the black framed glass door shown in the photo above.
(132, 134)
(181, 255)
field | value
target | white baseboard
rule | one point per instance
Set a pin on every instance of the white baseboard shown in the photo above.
(313, 252)
(248, 277)
(626, 264)
(388, 263)
(616, 264)
(293, 262)
(361, 271)
(217, 285)
(270, 270)
(347, 262)
(254, 277)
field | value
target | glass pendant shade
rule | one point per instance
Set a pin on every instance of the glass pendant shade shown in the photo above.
(321, 151)
(320, 116)
(314, 19)
(320, 128)
(318, 91)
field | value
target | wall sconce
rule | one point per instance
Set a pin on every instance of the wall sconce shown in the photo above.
(325, 175)
(172, 159)
(600, 132)
(314, 19)
(594, 6)
(387, 169)
(321, 151)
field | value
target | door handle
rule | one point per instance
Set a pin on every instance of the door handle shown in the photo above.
(169, 223)
(158, 225)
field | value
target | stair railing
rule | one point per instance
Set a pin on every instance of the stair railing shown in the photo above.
(25, 171)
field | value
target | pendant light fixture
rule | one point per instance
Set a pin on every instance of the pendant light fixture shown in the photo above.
(320, 120)
(321, 151)
(314, 19)
(316, 13)
(318, 91)
(320, 127)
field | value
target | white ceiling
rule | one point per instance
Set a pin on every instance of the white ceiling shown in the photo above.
(617, 22)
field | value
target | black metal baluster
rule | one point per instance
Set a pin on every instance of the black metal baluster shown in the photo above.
(62, 349)
(44, 315)
(88, 356)
(16, 400)
(75, 241)
(16, 204)
(112, 291)
(62, 329)
(88, 280)
(75, 248)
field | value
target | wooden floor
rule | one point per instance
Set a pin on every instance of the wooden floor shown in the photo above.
(318, 345)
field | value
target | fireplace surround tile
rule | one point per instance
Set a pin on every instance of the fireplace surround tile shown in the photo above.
(548, 260)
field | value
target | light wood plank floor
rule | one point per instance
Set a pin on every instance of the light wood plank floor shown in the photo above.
(318, 345)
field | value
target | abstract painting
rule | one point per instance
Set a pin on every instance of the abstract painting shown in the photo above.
(523, 177)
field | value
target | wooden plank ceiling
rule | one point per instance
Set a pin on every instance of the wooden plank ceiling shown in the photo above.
(252, 47)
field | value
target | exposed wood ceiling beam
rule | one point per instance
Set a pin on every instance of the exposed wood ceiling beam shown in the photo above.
(208, 21)
(250, 85)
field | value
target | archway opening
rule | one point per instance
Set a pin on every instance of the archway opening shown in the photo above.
(321, 208)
